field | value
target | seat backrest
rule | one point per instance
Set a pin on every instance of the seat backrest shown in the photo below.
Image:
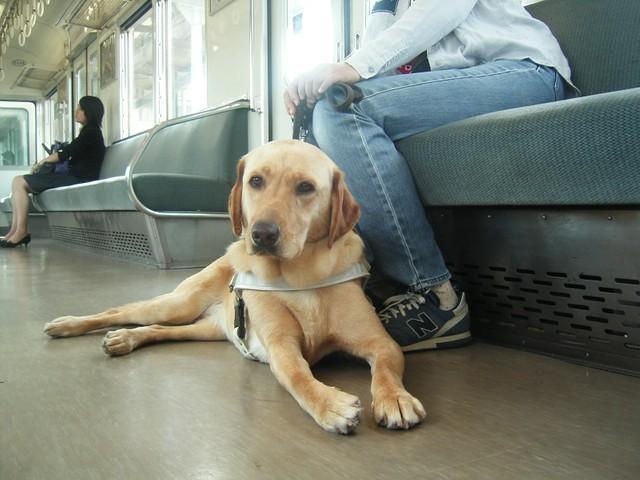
(206, 146)
(119, 154)
(601, 39)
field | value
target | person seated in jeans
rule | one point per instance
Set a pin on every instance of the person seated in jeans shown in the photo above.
(84, 156)
(423, 64)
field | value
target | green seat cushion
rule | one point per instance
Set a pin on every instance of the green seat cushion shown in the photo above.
(582, 151)
(185, 193)
(160, 192)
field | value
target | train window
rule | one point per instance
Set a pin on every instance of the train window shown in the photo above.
(312, 36)
(228, 52)
(311, 32)
(187, 71)
(93, 74)
(60, 113)
(79, 83)
(46, 119)
(138, 45)
(17, 133)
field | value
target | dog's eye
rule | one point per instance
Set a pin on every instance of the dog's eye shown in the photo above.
(256, 182)
(305, 187)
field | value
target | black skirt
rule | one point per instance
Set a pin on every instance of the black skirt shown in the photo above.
(39, 182)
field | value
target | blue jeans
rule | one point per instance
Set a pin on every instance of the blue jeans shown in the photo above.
(361, 141)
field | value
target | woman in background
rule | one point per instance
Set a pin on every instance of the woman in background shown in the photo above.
(84, 156)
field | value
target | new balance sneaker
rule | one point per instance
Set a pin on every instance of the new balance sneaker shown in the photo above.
(416, 322)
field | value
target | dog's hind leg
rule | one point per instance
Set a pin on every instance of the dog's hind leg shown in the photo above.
(125, 340)
(181, 307)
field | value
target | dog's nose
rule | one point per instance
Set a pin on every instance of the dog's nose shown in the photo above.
(265, 234)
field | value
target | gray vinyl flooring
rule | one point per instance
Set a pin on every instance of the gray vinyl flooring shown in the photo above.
(200, 411)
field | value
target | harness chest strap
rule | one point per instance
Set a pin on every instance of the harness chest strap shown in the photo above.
(248, 281)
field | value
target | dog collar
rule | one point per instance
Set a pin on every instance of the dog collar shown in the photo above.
(248, 281)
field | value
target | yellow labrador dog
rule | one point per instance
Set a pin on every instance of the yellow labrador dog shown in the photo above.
(295, 219)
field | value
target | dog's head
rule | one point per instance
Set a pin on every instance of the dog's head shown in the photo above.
(287, 194)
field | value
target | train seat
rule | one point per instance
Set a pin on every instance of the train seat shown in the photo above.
(109, 192)
(162, 195)
(580, 151)
(106, 193)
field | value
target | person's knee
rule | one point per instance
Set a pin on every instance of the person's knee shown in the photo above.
(19, 183)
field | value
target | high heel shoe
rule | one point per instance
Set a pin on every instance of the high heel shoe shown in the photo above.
(24, 241)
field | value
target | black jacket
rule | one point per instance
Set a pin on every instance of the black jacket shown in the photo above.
(85, 153)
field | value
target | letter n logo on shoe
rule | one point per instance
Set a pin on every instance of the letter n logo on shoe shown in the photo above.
(423, 325)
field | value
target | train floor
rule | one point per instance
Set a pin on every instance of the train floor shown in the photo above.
(198, 410)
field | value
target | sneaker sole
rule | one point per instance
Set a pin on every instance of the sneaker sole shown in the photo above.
(458, 340)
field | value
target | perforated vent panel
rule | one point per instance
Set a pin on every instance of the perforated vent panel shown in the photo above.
(94, 14)
(119, 243)
(564, 282)
(33, 77)
(588, 311)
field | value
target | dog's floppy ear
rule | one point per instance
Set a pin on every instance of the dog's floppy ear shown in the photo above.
(235, 200)
(345, 212)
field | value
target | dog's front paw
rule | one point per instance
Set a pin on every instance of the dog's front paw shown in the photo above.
(119, 342)
(339, 412)
(398, 410)
(64, 327)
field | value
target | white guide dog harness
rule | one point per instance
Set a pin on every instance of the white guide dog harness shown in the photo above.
(248, 281)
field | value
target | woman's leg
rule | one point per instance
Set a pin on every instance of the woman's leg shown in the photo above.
(393, 223)
(361, 142)
(12, 228)
(14, 219)
(20, 205)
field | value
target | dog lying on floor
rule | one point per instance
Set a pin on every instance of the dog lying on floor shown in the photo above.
(295, 218)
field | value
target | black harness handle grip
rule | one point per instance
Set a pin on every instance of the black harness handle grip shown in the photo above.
(339, 95)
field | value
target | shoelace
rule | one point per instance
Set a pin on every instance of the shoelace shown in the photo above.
(399, 304)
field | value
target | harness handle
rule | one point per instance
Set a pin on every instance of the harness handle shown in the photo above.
(340, 96)
(302, 121)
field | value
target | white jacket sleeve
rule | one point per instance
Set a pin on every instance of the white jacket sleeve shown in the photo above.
(424, 24)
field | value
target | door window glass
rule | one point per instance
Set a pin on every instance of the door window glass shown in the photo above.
(17, 133)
